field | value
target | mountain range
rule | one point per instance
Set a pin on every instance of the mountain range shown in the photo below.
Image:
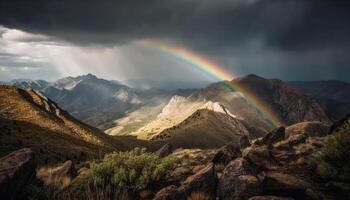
(158, 114)
(214, 131)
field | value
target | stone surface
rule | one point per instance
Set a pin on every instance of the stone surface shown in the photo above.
(226, 154)
(284, 183)
(168, 193)
(204, 181)
(244, 142)
(272, 137)
(165, 150)
(238, 181)
(16, 169)
(261, 156)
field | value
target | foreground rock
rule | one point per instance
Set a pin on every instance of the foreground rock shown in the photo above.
(238, 181)
(203, 182)
(16, 170)
(227, 153)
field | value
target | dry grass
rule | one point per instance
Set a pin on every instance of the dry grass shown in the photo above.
(198, 196)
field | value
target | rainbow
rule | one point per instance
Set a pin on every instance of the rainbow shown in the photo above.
(219, 73)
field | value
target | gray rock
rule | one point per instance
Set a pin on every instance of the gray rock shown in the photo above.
(16, 169)
(204, 181)
(238, 181)
(227, 154)
(272, 137)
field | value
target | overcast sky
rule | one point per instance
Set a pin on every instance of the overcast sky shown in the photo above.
(286, 39)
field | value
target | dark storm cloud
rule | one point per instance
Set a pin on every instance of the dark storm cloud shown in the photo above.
(249, 30)
(286, 24)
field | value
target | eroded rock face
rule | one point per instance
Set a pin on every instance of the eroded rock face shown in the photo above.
(16, 169)
(238, 181)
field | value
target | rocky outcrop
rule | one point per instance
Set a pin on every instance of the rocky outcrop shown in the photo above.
(203, 181)
(238, 181)
(227, 153)
(272, 137)
(16, 170)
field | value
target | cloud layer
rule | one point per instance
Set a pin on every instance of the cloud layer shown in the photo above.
(296, 39)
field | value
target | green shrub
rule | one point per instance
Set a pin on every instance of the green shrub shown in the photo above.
(333, 162)
(122, 173)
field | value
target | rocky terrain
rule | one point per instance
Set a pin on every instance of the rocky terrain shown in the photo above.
(276, 166)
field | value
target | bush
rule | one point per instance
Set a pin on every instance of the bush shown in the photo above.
(333, 162)
(124, 173)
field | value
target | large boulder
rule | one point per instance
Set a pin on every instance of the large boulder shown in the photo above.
(204, 181)
(272, 137)
(16, 170)
(261, 156)
(226, 154)
(275, 182)
(238, 181)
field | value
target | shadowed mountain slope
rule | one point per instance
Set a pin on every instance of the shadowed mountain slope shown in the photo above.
(29, 119)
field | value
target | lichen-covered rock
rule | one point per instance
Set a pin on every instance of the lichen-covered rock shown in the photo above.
(238, 181)
(16, 169)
